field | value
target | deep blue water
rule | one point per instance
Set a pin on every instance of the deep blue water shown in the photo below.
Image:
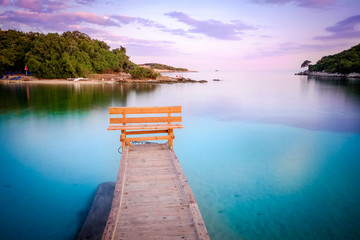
(267, 155)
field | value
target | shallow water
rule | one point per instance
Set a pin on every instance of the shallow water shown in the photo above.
(267, 155)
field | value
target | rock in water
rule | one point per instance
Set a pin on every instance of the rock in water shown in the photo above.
(96, 220)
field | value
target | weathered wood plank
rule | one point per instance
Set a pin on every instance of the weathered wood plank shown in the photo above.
(144, 110)
(148, 138)
(145, 132)
(144, 186)
(144, 126)
(155, 209)
(169, 120)
(154, 201)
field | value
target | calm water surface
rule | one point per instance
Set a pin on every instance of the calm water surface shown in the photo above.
(267, 155)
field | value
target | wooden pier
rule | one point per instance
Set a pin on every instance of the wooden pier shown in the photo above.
(152, 198)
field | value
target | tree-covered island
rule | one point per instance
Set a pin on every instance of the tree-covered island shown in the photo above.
(343, 64)
(67, 55)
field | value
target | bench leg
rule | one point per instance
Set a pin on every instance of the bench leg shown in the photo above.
(122, 139)
(171, 137)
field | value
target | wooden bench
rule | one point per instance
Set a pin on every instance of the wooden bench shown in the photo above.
(141, 125)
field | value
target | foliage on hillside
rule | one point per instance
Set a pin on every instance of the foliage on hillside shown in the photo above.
(345, 62)
(140, 73)
(165, 67)
(71, 54)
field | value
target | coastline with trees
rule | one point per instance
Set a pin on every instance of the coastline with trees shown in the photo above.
(345, 64)
(71, 56)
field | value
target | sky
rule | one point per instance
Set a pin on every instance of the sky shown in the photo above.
(203, 35)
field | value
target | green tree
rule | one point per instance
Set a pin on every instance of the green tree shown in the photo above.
(305, 63)
(140, 73)
(345, 62)
(71, 54)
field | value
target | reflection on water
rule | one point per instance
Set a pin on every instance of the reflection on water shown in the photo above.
(336, 101)
(63, 98)
(267, 155)
(348, 86)
(316, 104)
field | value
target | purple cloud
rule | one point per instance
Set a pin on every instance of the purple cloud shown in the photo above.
(211, 28)
(57, 21)
(123, 19)
(41, 5)
(34, 5)
(86, 2)
(44, 5)
(53, 6)
(4, 3)
(302, 3)
(343, 29)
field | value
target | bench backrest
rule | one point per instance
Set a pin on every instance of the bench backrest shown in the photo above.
(145, 124)
(145, 110)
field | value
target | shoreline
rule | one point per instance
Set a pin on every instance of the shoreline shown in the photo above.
(111, 78)
(325, 74)
(170, 71)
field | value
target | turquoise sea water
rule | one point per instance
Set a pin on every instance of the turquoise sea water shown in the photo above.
(267, 155)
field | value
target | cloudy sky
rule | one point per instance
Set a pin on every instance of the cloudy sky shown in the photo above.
(242, 35)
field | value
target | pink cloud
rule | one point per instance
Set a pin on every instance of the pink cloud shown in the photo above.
(34, 5)
(56, 5)
(54, 21)
(42, 5)
(212, 28)
(4, 3)
(302, 3)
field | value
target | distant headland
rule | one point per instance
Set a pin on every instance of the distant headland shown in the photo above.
(159, 68)
(345, 64)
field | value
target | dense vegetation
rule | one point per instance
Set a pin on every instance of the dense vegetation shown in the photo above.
(166, 67)
(345, 62)
(71, 54)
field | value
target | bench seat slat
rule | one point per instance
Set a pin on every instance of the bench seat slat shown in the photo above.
(145, 126)
(145, 132)
(148, 138)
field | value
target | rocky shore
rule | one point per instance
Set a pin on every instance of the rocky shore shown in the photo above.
(325, 74)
